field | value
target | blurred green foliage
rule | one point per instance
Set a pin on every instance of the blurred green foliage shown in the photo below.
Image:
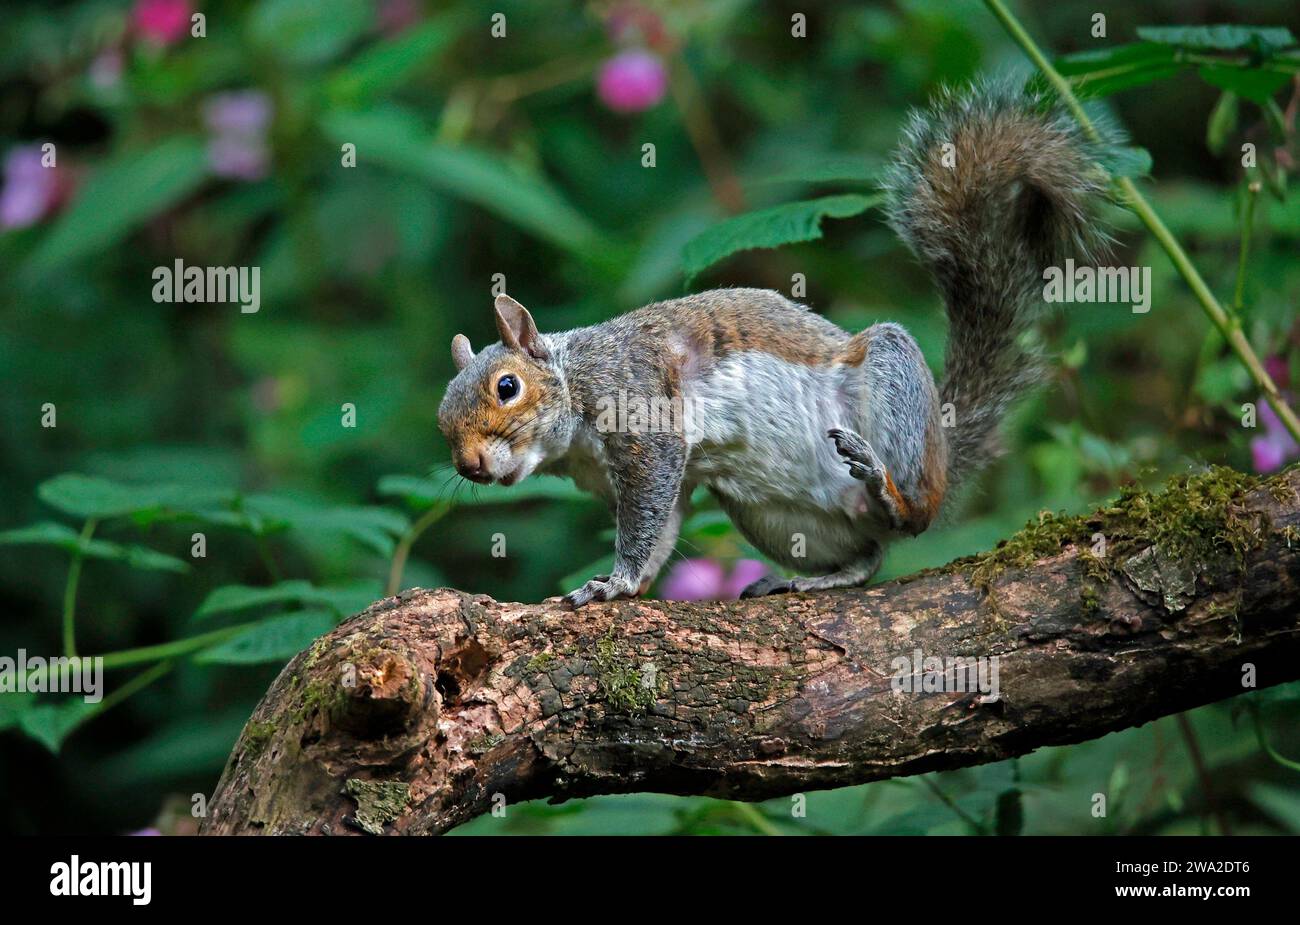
(477, 156)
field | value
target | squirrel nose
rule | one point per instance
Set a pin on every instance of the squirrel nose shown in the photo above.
(473, 465)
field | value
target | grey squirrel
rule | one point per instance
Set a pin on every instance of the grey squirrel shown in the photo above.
(820, 446)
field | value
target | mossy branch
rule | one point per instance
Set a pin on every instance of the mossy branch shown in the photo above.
(436, 706)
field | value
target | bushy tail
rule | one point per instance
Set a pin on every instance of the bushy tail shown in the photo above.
(989, 187)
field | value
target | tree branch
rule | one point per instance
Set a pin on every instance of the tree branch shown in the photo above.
(417, 714)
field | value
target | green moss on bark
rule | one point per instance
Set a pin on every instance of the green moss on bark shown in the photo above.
(1191, 521)
(622, 685)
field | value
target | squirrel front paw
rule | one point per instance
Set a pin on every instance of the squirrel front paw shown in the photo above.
(601, 588)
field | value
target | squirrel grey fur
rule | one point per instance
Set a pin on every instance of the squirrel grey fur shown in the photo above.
(821, 446)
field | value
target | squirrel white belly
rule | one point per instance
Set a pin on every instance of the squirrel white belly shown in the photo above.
(769, 462)
(820, 446)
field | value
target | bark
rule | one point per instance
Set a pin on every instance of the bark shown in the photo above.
(419, 713)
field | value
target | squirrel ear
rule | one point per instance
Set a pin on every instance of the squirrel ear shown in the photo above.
(461, 351)
(517, 328)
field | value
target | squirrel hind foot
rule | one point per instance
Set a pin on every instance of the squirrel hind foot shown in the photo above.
(852, 576)
(865, 466)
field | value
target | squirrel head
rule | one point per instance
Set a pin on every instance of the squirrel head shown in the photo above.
(506, 411)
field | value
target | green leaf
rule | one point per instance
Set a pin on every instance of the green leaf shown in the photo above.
(91, 496)
(47, 533)
(142, 557)
(395, 138)
(1279, 695)
(389, 64)
(424, 492)
(1105, 71)
(1255, 85)
(120, 196)
(51, 723)
(13, 705)
(374, 527)
(1266, 39)
(308, 32)
(343, 600)
(772, 227)
(275, 640)
(1223, 122)
(233, 598)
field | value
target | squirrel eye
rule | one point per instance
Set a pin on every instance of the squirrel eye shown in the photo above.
(507, 388)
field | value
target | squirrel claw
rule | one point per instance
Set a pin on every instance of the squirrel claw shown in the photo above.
(600, 588)
(864, 465)
(768, 584)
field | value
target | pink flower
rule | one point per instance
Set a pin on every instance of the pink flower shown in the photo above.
(744, 574)
(396, 16)
(162, 22)
(704, 580)
(31, 191)
(238, 123)
(1276, 447)
(632, 81)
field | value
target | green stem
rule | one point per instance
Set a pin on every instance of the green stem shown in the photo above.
(1263, 742)
(163, 651)
(70, 590)
(403, 550)
(1247, 220)
(1182, 263)
(948, 801)
(750, 813)
(1202, 773)
(174, 648)
(264, 551)
(134, 686)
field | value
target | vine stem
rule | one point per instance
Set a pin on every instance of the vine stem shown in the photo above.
(1285, 762)
(403, 550)
(70, 589)
(1202, 773)
(754, 817)
(167, 650)
(135, 685)
(975, 825)
(704, 138)
(1247, 220)
(1227, 325)
(162, 652)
